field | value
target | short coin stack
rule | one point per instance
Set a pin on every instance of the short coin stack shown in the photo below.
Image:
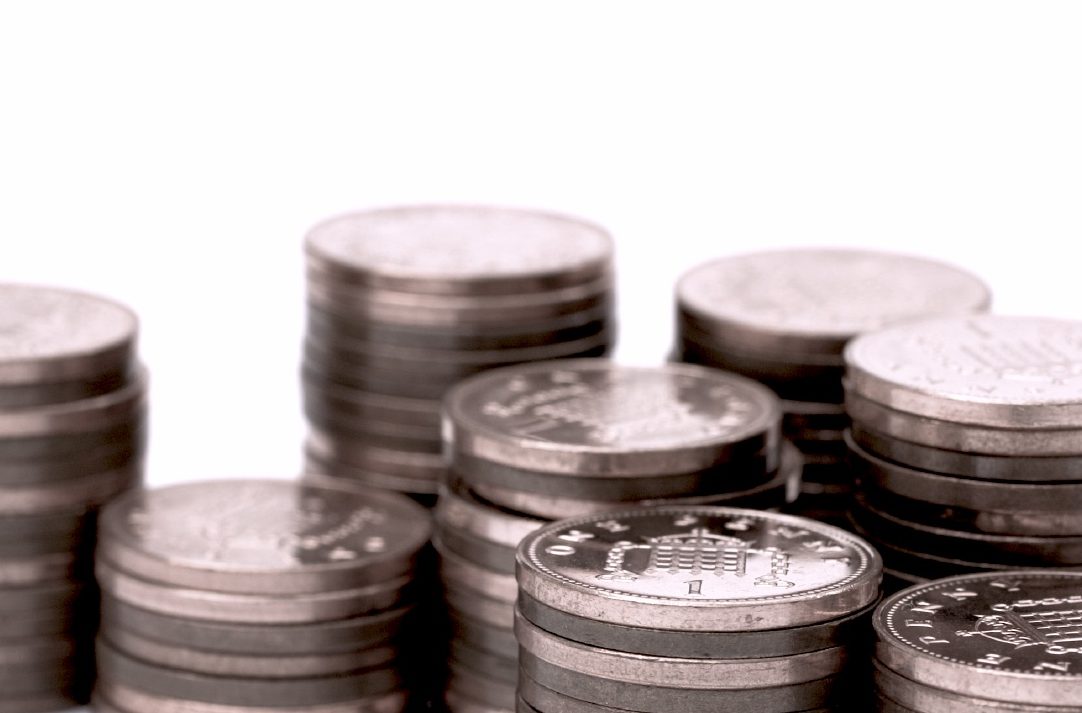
(72, 434)
(967, 441)
(687, 608)
(257, 595)
(404, 302)
(995, 643)
(531, 442)
(784, 317)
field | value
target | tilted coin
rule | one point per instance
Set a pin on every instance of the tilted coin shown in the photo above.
(813, 301)
(593, 418)
(262, 536)
(448, 249)
(910, 695)
(699, 569)
(114, 697)
(1005, 636)
(993, 371)
(94, 414)
(50, 334)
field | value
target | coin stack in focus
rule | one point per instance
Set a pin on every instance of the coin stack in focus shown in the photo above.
(257, 595)
(693, 608)
(997, 642)
(967, 442)
(784, 317)
(533, 442)
(404, 302)
(72, 435)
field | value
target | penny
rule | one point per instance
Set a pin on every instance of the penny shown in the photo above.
(1003, 636)
(251, 536)
(991, 371)
(815, 300)
(590, 418)
(451, 250)
(132, 700)
(699, 569)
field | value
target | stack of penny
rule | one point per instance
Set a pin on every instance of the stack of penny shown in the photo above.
(531, 443)
(995, 642)
(72, 431)
(967, 441)
(784, 318)
(404, 302)
(693, 608)
(258, 595)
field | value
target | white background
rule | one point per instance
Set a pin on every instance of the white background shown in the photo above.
(173, 154)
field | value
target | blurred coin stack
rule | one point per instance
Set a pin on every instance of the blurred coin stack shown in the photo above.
(404, 302)
(534, 442)
(258, 595)
(784, 317)
(988, 643)
(693, 608)
(72, 435)
(967, 442)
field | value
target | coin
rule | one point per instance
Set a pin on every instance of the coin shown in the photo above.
(464, 683)
(814, 301)
(910, 695)
(133, 700)
(461, 514)
(371, 457)
(498, 613)
(590, 418)
(460, 703)
(992, 371)
(997, 636)
(50, 449)
(699, 569)
(98, 413)
(251, 536)
(464, 573)
(316, 469)
(451, 250)
(485, 637)
(62, 496)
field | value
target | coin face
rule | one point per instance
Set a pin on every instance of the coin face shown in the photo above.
(1010, 636)
(568, 415)
(1021, 372)
(262, 534)
(820, 298)
(44, 324)
(699, 569)
(459, 243)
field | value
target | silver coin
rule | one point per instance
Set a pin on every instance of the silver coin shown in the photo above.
(459, 703)
(392, 435)
(49, 334)
(699, 569)
(409, 412)
(909, 694)
(769, 643)
(993, 371)
(459, 571)
(99, 413)
(913, 565)
(447, 249)
(999, 636)
(63, 496)
(325, 637)
(491, 666)
(485, 637)
(250, 536)
(968, 465)
(813, 301)
(953, 436)
(17, 474)
(171, 600)
(40, 570)
(460, 510)
(237, 691)
(316, 470)
(469, 603)
(589, 417)
(54, 392)
(48, 531)
(51, 450)
(114, 697)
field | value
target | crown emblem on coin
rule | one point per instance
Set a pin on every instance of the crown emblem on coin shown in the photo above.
(1052, 629)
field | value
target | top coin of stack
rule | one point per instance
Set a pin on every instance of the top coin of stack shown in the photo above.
(784, 318)
(72, 433)
(404, 302)
(967, 440)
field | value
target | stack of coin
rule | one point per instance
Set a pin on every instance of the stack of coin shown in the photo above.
(693, 608)
(967, 442)
(404, 302)
(994, 642)
(784, 317)
(257, 595)
(530, 443)
(72, 431)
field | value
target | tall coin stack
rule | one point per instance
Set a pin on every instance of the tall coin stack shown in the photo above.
(784, 317)
(72, 434)
(257, 595)
(693, 608)
(967, 441)
(404, 302)
(995, 643)
(530, 443)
